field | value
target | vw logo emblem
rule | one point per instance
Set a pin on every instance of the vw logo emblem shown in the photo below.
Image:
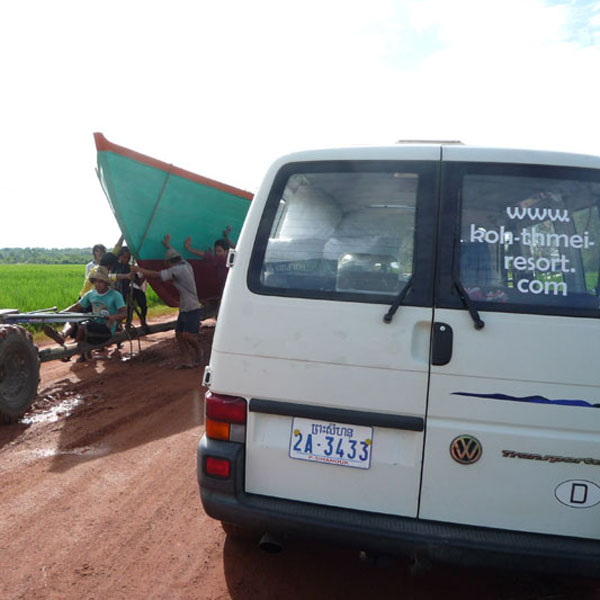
(465, 449)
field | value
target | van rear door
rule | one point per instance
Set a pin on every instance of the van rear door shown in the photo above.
(513, 417)
(336, 395)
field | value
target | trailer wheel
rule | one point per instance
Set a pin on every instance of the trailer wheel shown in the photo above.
(19, 372)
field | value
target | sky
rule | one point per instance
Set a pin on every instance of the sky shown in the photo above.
(224, 88)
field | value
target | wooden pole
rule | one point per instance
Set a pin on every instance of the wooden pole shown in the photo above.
(130, 334)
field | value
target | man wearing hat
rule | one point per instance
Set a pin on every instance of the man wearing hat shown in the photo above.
(180, 272)
(107, 309)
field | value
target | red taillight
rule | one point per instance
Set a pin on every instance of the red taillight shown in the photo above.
(226, 408)
(225, 417)
(217, 467)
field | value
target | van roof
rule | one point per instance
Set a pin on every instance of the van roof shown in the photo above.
(448, 151)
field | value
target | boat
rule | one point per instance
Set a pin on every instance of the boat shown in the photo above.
(150, 198)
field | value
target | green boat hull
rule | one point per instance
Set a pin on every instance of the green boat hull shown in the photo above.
(151, 198)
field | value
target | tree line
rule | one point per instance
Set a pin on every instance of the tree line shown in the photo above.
(45, 256)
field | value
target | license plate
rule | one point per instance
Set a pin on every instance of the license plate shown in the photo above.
(331, 443)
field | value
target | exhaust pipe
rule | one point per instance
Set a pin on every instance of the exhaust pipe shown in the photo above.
(269, 543)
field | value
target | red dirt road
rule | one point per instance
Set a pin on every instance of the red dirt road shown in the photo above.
(99, 500)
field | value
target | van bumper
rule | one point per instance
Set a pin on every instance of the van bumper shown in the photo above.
(226, 500)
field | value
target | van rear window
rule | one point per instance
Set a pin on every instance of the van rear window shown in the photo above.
(342, 232)
(530, 240)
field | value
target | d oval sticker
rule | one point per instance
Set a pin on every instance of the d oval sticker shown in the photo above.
(578, 493)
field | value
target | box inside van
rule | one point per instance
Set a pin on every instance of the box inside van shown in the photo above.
(406, 355)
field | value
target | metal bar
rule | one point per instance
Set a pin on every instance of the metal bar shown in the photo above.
(39, 317)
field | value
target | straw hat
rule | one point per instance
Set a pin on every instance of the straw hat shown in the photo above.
(99, 274)
(171, 254)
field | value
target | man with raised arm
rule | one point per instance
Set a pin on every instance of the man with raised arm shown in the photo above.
(180, 272)
(219, 259)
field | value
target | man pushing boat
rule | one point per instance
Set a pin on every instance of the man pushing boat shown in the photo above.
(180, 272)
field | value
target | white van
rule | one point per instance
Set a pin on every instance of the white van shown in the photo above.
(407, 356)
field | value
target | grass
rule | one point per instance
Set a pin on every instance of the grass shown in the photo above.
(34, 287)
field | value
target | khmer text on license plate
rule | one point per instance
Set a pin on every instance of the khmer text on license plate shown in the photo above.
(332, 443)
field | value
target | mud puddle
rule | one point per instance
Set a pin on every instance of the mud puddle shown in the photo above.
(53, 412)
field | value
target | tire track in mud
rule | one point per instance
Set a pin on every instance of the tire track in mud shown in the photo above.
(91, 499)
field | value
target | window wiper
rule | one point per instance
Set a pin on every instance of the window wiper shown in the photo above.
(462, 294)
(389, 315)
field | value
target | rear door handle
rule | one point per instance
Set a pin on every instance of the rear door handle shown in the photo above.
(442, 344)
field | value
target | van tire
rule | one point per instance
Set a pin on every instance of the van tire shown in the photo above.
(19, 372)
(237, 532)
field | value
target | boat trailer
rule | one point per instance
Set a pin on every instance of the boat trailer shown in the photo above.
(20, 359)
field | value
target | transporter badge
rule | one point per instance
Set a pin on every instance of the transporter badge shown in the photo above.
(465, 449)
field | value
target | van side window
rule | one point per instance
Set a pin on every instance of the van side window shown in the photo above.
(346, 232)
(530, 240)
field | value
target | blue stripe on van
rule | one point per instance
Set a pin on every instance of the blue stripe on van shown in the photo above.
(529, 399)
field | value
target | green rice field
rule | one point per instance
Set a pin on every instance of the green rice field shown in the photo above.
(34, 287)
